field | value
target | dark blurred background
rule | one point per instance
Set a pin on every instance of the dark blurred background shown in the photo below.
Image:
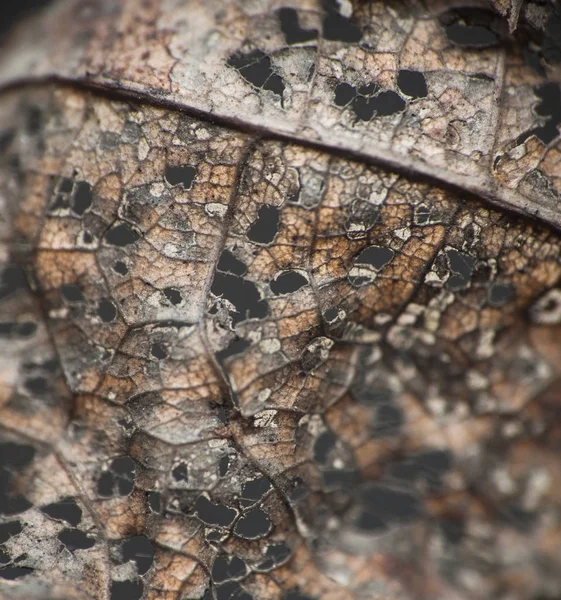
(11, 11)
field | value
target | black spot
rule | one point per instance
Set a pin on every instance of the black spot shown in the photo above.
(256, 488)
(453, 529)
(74, 539)
(121, 235)
(336, 27)
(72, 293)
(16, 456)
(412, 83)
(375, 256)
(232, 590)
(501, 293)
(9, 529)
(253, 525)
(242, 294)
(462, 267)
(120, 267)
(549, 109)
(265, 228)
(155, 502)
(255, 67)
(13, 279)
(323, 445)
(139, 550)
(36, 385)
(293, 33)
(228, 568)
(471, 27)
(106, 310)
(287, 283)
(214, 514)
(224, 465)
(384, 104)
(158, 351)
(64, 510)
(228, 263)
(173, 295)
(127, 590)
(422, 214)
(382, 505)
(344, 94)
(331, 314)
(180, 473)
(238, 346)
(183, 175)
(83, 198)
(12, 572)
(118, 480)
(428, 466)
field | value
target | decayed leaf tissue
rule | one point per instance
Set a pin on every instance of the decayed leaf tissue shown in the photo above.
(280, 314)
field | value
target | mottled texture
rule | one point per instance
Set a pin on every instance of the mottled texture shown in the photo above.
(237, 365)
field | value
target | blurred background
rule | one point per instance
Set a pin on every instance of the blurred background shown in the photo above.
(11, 11)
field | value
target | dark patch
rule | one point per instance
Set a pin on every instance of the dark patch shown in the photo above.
(276, 555)
(64, 510)
(253, 525)
(336, 27)
(331, 315)
(375, 256)
(243, 294)
(232, 590)
(36, 385)
(224, 465)
(139, 550)
(173, 296)
(16, 456)
(422, 214)
(25, 329)
(255, 67)
(293, 33)
(412, 83)
(106, 310)
(158, 351)
(118, 480)
(344, 94)
(9, 530)
(501, 293)
(155, 502)
(127, 590)
(428, 466)
(462, 266)
(256, 488)
(389, 420)
(180, 472)
(368, 101)
(13, 279)
(214, 514)
(12, 572)
(121, 235)
(83, 198)
(181, 175)
(74, 539)
(323, 445)
(228, 263)
(238, 346)
(549, 108)
(453, 529)
(265, 228)
(381, 506)
(121, 268)
(71, 293)
(287, 283)
(228, 569)
(471, 27)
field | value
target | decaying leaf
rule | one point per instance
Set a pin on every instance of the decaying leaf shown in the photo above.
(281, 301)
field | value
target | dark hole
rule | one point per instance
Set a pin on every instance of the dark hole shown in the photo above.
(13, 505)
(36, 385)
(74, 539)
(462, 267)
(26, 329)
(72, 293)
(253, 525)
(228, 263)
(183, 175)
(214, 514)
(501, 293)
(179, 472)
(255, 67)
(82, 198)
(155, 502)
(12, 572)
(453, 529)
(232, 590)
(287, 283)
(105, 484)
(242, 294)
(227, 569)
(224, 465)
(549, 108)
(471, 27)
(17, 456)
(331, 314)
(158, 351)
(256, 488)
(412, 83)
(323, 446)
(387, 103)
(375, 256)
(139, 550)
(120, 267)
(337, 27)
(236, 347)
(173, 295)
(121, 235)
(9, 529)
(65, 510)
(127, 590)
(265, 228)
(13, 279)
(422, 214)
(293, 33)
(106, 310)
(278, 553)
(344, 93)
